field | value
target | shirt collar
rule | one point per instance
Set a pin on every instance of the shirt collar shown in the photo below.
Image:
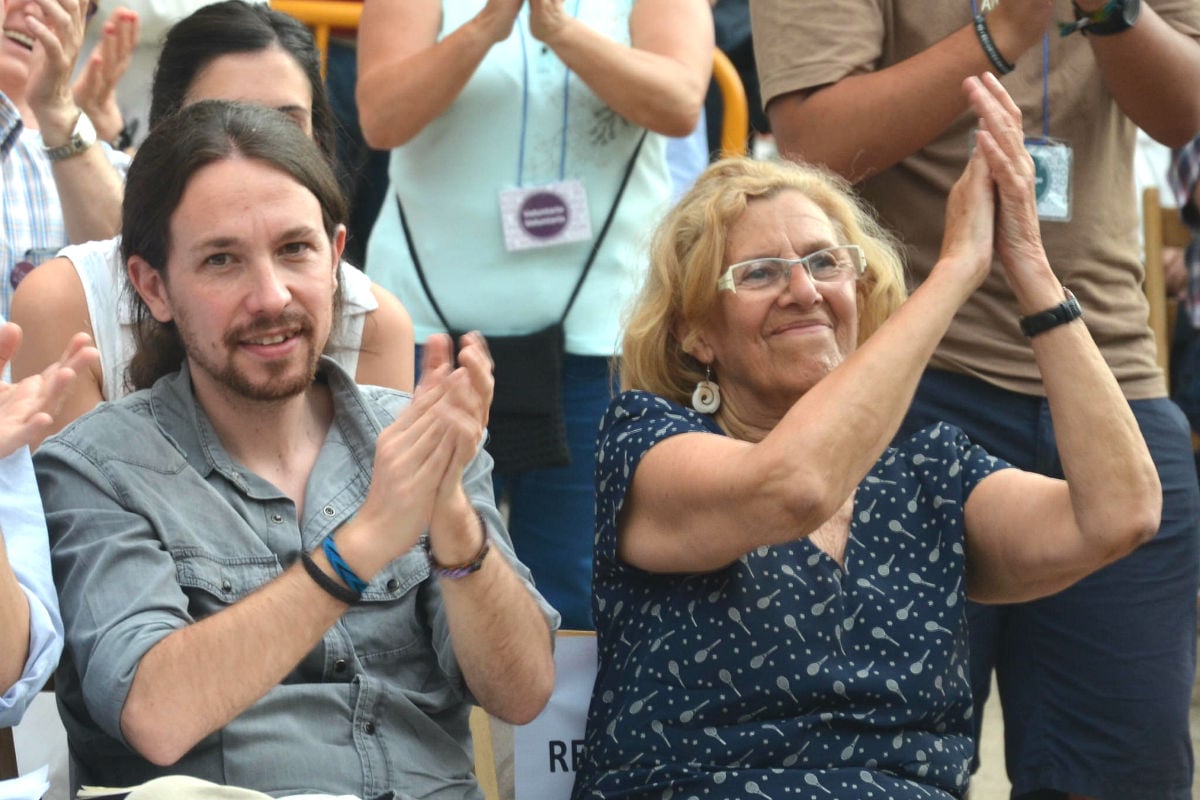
(183, 420)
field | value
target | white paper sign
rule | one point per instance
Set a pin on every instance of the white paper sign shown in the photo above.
(547, 751)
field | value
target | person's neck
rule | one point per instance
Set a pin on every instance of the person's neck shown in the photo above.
(277, 440)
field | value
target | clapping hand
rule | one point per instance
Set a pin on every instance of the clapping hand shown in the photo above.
(27, 408)
(96, 89)
(58, 32)
(546, 19)
(1001, 141)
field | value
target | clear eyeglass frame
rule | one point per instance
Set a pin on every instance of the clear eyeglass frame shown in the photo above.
(849, 262)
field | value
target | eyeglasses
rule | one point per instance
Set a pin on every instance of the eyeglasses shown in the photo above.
(843, 262)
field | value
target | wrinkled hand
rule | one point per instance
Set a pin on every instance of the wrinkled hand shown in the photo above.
(27, 408)
(967, 242)
(58, 33)
(1001, 140)
(547, 18)
(96, 89)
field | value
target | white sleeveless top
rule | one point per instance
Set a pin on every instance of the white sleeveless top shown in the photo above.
(102, 273)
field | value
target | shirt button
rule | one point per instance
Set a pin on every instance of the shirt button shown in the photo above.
(327, 511)
(369, 728)
(226, 586)
(393, 584)
(277, 518)
(339, 665)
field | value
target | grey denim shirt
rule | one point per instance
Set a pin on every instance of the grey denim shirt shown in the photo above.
(153, 526)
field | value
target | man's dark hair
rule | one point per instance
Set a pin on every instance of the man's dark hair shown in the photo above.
(198, 135)
(236, 27)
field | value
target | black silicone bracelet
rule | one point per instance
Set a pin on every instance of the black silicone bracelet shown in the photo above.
(989, 46)
(331, 587)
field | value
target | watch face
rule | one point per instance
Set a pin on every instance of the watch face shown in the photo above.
(84, 135)
(1129, 12)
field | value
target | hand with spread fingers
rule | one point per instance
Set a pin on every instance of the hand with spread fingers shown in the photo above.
(96, 88)
(27, 408)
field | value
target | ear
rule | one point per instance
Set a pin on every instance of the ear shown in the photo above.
(338, 245)
(152, 287)
(698, 346)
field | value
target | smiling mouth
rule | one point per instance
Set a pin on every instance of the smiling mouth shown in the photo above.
(278, 338)
(22, 39)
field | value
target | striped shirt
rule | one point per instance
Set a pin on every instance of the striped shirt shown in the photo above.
(32, 229)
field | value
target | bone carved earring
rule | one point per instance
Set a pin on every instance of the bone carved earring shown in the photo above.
(707, 396)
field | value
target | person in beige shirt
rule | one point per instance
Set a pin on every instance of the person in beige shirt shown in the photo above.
(1095, 680)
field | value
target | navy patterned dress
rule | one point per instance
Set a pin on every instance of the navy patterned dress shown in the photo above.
(785, 675)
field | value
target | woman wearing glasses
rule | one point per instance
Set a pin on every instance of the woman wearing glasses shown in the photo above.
(778, 593)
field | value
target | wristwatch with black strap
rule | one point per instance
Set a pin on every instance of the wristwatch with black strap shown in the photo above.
(1066, 311)
(1113, 17)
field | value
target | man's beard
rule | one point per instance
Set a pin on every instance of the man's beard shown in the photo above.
(282, 381)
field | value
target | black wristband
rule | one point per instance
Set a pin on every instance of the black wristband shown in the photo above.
(1066, 311)
(989, 47)
(331, 587)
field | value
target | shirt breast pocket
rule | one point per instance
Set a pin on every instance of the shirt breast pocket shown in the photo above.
(213, 582)
(390, 627)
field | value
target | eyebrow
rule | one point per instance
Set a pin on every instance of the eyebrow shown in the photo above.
(809, 247)
(219, 242)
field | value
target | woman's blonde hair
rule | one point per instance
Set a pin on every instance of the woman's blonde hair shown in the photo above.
(687, 256)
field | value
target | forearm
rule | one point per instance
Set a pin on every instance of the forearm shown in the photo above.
(500, 637)
(654, 91)
(1152, 70)
(698, 503)
(832, 456)
(90, 191)
(14, 624)
(919, 98)
(400, 93)
(197, 679)
(1114, 488)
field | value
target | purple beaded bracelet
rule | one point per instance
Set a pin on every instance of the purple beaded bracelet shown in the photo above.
(456, 571)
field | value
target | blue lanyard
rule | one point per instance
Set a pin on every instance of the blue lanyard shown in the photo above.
(1045, 81)
(562, 157)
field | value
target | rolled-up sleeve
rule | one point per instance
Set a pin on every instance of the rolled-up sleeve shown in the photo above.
(24, 530)
(118, 589)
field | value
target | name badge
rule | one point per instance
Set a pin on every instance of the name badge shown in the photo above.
(1052, 166)
(544, 216)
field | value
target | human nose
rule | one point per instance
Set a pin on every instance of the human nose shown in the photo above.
(800, 286)
(268, 293)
